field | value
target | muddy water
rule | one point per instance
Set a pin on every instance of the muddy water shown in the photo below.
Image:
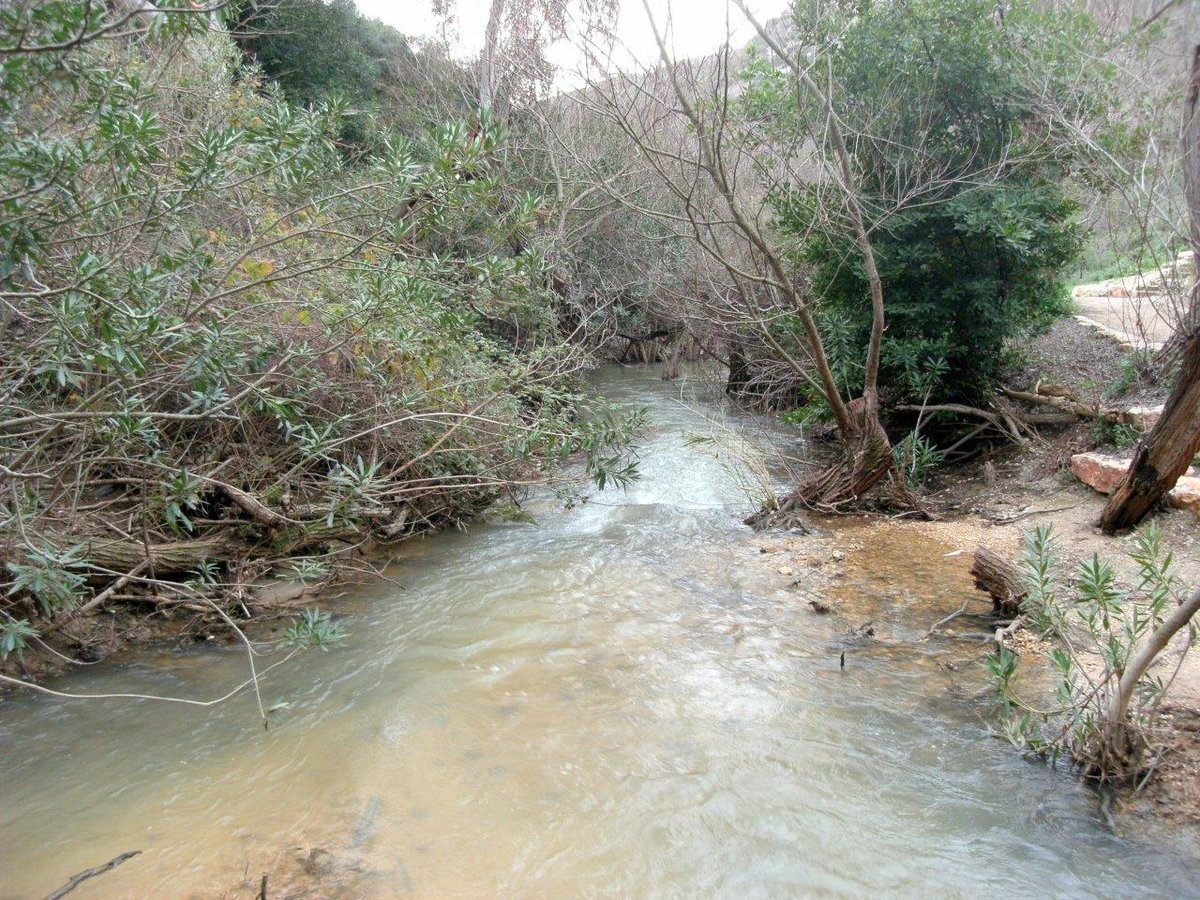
(617, 699)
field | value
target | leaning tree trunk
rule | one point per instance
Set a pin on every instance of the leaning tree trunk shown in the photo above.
(1167, 451)
(1121, 746)
(1171, 354)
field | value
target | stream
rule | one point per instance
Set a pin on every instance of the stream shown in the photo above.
(619, 698)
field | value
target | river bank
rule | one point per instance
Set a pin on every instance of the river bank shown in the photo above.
(994, 509)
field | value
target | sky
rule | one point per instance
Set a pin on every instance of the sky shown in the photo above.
(696, 26)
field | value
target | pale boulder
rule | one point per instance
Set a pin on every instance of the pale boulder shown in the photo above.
(1098, 470)
(1186, 494)
(1145, 416)
(1104, 473)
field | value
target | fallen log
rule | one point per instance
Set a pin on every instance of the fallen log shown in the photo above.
(997, 577)
(182, 556)
(165, 559)
(1070, 406)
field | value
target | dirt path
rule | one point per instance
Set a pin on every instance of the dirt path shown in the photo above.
(1138, 310)
(1136, 321)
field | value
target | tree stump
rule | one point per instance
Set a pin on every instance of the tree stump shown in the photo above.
(997, 577)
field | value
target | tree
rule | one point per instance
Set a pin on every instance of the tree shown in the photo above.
(808, 189)
(969, 219)
(324, 51)
(314, 49)
(513, 64)
(223, 346)
(1165, 453)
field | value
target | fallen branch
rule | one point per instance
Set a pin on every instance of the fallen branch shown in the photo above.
(1016, 517)
(182, 556)
(1009, 630)
(940, 622)
(1071, 406)
(101, 598)
(76, 880)
(186, 701)
(1006, 424)
(249, 504)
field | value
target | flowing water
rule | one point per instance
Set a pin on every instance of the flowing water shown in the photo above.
(616, 699)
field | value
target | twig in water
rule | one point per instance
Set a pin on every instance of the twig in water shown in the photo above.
(33, 686)
(1008, 631)
(940, 622)
(76, 880)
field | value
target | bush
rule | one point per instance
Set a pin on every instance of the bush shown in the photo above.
(322, 51)
(315, 49)
(1099, 628)
(972, 229)
(222, 341)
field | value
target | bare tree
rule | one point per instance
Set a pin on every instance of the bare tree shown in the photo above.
(513, 62)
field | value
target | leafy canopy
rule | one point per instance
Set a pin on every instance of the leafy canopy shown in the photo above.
(947, 106)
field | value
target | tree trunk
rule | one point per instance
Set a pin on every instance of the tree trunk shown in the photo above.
(996, 576)
(739, 371)
(1172, 352)
(866, 459)
(1167, 451)
(1122, 745)
(671, 367)
(487, 64)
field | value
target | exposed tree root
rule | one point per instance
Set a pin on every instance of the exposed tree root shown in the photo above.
(865, 461)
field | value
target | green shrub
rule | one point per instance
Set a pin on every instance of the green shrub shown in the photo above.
(326, 51)
(915, 457)
(1136, 367)
(212, 319)
(1097, 626)
(953, 161)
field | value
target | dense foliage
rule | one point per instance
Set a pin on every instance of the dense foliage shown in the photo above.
(224, 347)
(322, 52)
(948, 109)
